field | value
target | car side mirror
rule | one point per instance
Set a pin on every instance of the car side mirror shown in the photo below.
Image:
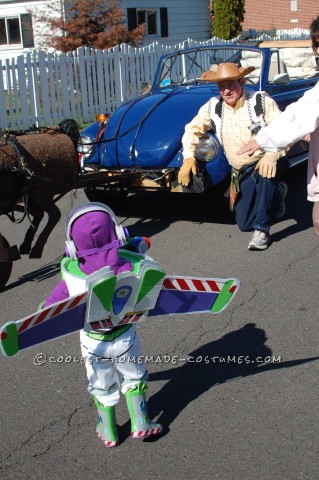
(281, 79)
(145, 87)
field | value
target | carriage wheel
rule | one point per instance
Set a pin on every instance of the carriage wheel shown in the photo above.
(5, 267)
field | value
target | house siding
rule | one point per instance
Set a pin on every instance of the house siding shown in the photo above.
(186, 19)
(269, 14)
(12, 9)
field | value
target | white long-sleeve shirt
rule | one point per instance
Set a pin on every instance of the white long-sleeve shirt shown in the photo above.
(299, 119)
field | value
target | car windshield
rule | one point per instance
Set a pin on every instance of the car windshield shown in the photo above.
(186, 67)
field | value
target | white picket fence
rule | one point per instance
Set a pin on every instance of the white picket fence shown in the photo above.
(42, 89)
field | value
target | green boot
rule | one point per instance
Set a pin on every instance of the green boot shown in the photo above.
(141, 425)
(106, 428)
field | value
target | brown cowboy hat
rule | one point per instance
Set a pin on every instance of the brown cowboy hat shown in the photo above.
(226, 71)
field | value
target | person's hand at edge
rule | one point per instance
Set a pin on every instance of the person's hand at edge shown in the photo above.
(249, 148)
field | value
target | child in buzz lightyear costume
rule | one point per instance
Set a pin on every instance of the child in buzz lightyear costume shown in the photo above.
(93, 241)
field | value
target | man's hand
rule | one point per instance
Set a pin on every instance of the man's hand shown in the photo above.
(267, 167)
(189, 165)
(249, 148)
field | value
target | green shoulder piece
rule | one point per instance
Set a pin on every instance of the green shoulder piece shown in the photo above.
(150, 278)
(104, 292)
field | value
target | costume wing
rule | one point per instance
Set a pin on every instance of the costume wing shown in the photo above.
(114, 301)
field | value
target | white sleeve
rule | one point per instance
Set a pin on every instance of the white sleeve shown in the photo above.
(299, 119)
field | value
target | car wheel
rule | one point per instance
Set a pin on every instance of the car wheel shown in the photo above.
(5, 267)
(105, 195)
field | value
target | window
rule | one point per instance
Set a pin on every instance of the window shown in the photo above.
(155, 20)
(17, 30)
(149, 17)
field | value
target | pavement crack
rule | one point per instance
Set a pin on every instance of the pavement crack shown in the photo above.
(40, 442)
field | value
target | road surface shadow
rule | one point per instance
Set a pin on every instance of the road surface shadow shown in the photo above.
(49, 270)
(298, 207)
(156, 211)
(244, 353)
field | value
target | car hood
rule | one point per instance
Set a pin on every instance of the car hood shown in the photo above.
(147, 130)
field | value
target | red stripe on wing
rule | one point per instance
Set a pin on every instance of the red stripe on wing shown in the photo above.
(198, 284)
(213, 285)
(25, 324)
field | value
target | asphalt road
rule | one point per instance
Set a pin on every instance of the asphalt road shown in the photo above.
(237, 393)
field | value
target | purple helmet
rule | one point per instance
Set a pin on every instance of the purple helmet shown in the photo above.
(93, 236)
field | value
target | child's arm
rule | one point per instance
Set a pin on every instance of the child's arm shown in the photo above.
(60, 292)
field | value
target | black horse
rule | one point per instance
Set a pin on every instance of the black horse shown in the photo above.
(37, 168)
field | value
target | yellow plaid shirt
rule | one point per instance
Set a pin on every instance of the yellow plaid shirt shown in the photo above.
(235, 131)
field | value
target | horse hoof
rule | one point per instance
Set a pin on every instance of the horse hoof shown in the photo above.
(36, 253)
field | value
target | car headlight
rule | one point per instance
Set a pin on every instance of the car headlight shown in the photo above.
(85, 144)
(207, 148)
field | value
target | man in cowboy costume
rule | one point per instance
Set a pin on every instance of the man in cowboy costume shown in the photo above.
(236, 117)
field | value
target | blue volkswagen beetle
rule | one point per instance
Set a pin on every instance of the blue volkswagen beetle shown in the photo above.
(139, 145)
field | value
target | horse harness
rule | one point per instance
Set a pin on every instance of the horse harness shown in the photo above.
(23, 170)
(256, 115)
